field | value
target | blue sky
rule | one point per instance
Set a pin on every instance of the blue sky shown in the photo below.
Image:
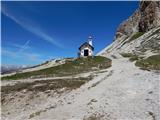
(33, 32)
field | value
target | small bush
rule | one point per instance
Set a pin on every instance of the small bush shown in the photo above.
(135, 36)
(34, 114)
(94, 116)
(127, 54)
(134, 58)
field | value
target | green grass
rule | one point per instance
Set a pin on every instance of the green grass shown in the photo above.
(150, 63)
(94, 116)
(132, 57)
(135, 36)
(44, 85)
(91, 118)
(79, 65)
(35, 114)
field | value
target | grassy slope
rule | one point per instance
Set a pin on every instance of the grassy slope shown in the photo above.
(135, 36)
(152, 63)
(45, 85)
(132, 57)
(79, 65)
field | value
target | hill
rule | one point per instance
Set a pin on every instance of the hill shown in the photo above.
(70, 67)
(126, 90)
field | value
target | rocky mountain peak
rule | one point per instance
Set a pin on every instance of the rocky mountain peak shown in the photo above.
(146, 17)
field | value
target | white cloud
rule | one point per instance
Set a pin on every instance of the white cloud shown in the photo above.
(35, 57)
(23, 47)
(18, 46)
(30, 26)
(7, 53)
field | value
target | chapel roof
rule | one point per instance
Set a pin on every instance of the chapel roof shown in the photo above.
(86, 44)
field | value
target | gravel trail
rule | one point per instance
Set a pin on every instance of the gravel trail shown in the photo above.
(123, 93)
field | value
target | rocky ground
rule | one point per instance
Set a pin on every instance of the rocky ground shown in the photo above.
(123, 92)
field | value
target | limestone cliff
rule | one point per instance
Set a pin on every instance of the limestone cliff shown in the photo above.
(146, 17)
